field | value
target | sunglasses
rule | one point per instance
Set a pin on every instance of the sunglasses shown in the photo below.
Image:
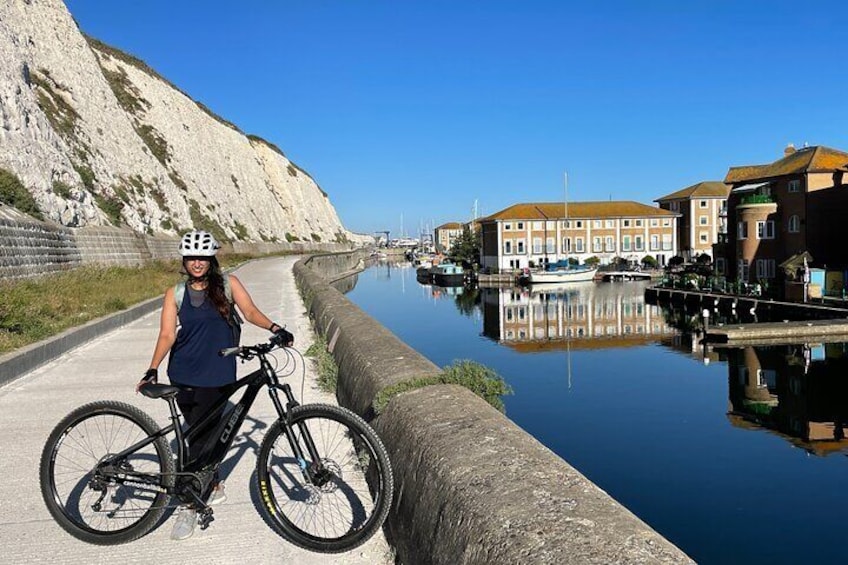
(196, 258)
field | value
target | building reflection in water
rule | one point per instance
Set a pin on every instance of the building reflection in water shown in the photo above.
(582, 315)
(799, 391)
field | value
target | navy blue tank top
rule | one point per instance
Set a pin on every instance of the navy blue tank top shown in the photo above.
(194, 359)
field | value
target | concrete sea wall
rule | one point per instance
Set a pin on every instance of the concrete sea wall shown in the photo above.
(470, 485)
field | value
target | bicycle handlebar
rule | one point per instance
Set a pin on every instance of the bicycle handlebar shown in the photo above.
(248, 351)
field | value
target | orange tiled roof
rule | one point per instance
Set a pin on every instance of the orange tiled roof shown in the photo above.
(706, 189)
(806, 160)
(450, 226)
(556, 210)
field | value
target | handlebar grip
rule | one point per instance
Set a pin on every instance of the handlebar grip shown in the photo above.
(226, 352)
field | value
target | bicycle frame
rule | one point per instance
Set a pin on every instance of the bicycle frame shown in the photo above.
(214, 452)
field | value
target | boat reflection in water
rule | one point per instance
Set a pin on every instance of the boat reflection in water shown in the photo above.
(799, 391)
(583, 314)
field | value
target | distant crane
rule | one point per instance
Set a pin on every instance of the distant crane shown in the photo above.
(386, 241)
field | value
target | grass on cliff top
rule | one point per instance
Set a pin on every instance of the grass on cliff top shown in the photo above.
(35, 309)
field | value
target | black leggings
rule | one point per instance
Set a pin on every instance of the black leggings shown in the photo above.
(194, 403)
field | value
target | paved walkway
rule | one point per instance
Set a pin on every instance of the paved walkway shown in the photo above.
(108, 368)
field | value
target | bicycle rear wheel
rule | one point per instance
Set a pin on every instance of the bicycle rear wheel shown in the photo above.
(351, 496)
(109, 505)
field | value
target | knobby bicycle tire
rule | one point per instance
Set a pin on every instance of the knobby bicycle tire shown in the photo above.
(346, 510)
(99, 509)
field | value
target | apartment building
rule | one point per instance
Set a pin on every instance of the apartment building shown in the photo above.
(446, 235)
(703, 214)
(783, 209)
(532, 234)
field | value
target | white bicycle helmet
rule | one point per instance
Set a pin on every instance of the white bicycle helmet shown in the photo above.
(198, 243)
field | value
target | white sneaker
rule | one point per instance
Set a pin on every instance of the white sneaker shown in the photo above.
(184, 526)
(218, 495)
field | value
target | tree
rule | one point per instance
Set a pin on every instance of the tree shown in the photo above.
(593, 260)
(675, 261)
(649, 262)
(466, 248)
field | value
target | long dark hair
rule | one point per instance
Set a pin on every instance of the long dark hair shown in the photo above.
(214, 286)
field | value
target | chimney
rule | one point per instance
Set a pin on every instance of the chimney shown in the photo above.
(790, 149)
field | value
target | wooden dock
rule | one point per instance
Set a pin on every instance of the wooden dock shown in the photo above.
(778, 332)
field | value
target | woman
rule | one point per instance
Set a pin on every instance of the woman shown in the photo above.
(205, 327)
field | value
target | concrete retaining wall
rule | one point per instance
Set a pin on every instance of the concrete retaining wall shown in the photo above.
(471, 486)
(30, 248)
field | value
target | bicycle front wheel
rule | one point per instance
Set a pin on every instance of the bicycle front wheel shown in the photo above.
(110, 504)
(331, 503)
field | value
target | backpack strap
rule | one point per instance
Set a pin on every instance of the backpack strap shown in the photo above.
(228, 291)
(179, 293)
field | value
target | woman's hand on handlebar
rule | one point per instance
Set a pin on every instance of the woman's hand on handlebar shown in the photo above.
(282, 336)
(150, 376)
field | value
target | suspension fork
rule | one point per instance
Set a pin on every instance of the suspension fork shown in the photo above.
(309, 471)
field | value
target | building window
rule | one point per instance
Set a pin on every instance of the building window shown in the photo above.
(550, 245)
(579, 224)
(654, 222)
(765, 230)
(626, 223)
(795, 185)
(609, 244)
(765, 268)
(703, 220)
(520, 226)
(537, 245)
(597, 245)
(702, 203)
(519, 247)
(720, 266)
(666, 223)
(639, 243)
(537, 226)
(794, 223)
(743, 269)
(674, 206)
(703, 237)
(508, 247)
(625, 242)
(666, 242)
(507, 227)
(742, 230)
(655, 243)
(578, 245)
(566, 244)
(597, 224)
(610, 224)
(638, 223)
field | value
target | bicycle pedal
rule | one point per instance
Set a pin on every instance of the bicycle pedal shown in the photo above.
(205, 518)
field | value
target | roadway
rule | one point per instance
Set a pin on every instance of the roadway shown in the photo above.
(108, 368)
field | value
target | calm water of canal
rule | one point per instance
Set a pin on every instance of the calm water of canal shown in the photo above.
(736, 455)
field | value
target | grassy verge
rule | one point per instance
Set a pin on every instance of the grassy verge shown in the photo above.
(35, 309)
(328, 371)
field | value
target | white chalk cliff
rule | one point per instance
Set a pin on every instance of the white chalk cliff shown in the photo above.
(98, 138)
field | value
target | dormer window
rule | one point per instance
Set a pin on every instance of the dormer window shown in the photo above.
(795, 185)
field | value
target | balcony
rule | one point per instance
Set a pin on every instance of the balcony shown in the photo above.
(756, 199)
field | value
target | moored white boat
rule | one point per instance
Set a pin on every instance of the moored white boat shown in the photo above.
(579, 273)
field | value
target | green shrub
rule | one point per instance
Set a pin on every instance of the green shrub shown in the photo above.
(240, 231)
(111, 206)
(155, 142)
(61, 189)
(14, 193)
(316, 238)
(291, 237)
(86, 175)
(292, 170)
(203, 222)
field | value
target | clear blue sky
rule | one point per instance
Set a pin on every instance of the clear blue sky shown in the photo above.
(417, 109)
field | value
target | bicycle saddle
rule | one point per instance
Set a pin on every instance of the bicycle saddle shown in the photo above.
(152, 390)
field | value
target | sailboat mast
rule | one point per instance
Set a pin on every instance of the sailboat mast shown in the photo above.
(565, 208)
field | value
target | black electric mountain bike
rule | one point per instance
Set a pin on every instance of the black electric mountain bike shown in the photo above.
(323, 476)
